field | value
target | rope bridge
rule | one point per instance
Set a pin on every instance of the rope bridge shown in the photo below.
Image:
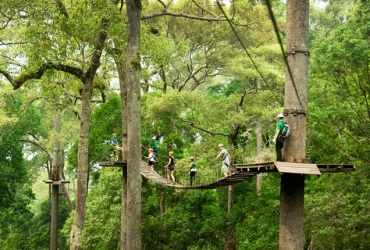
(243, 172)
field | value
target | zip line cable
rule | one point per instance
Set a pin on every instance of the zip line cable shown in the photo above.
(246, 51)
(273, 20)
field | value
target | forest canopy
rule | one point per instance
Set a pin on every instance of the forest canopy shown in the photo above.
(210, 72)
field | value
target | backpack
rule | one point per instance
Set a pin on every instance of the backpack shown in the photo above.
(286, 131)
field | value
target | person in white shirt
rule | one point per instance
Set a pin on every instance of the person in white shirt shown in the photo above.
(224, 155)
(151, 161)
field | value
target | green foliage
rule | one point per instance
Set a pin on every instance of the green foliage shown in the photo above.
(102, 224)
(40, 238)
(338, 129)
(199, 226)
(340, 79)
(105, 120)
(13, 170)
(15, 222)
(190, 115)
(342, 200)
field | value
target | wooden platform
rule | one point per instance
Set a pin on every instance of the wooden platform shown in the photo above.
(297, 168)
(294, 167)
(56, 182)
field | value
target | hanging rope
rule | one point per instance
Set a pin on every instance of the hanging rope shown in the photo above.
(273, 20)
(246, 51)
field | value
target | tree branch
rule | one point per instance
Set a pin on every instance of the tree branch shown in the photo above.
(37, 144)
(38, 73)
(207, 131)
(165, 13)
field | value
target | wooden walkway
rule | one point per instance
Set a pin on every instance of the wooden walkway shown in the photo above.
(244, 171)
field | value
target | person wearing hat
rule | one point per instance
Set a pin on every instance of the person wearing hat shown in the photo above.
(224, 155)
(151, 161)
(154, 144)
(116, 147)
(278, 140)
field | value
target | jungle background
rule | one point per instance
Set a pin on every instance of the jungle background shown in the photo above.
(201, 84)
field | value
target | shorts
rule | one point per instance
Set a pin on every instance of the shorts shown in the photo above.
(224, 168)
(116, 148)
(171, 167)
(151, 163)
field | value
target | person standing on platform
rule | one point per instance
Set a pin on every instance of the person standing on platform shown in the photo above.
(117, 148)
(151, 161)
(192, 170)
(224, 155)
(170, 167)
(154, 144)
(278, 139)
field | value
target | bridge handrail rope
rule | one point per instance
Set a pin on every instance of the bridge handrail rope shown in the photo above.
(215, 169)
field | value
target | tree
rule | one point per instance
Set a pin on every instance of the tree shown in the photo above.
(86, 74)
(133, 210)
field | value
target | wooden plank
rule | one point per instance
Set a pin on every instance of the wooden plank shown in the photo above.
(113, 164)
(297, 168)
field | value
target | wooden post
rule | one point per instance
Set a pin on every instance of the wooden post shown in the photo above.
(123, 241)
(54, 211)
(295, 107)
(54, 217)
(259, 153)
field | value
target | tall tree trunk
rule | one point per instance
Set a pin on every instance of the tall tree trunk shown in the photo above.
(124, 229)
(295, 107)
(83, 143)
(83, 162)
(162, 200)
(57, 166)
(230, 199)
(259, 152)
(123, 91)
(133, 125)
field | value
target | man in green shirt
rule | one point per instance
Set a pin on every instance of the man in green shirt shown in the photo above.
(278, 140)
(154, 144)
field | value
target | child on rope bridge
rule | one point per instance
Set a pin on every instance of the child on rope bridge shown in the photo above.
(192, 170)
(151, 161)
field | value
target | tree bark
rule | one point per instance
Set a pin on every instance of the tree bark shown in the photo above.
(162, 200)
(291, 212)
(123, 91)
(295, 106)
(57, 166)
(82, 182)
(259, 152)
(295, 103)
(133, 125)
(83, 142)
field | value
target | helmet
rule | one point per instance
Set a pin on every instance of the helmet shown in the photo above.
(280, 116)
(153, 138)
(220, 145)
